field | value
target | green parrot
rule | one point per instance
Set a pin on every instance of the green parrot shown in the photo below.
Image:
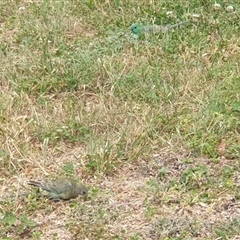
(139, 29)
(64, 188)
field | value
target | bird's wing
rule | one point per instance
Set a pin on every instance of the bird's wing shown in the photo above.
(58, 186)
(151, 28)
(161, 28)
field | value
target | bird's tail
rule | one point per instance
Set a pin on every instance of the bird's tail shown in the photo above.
(34, 183)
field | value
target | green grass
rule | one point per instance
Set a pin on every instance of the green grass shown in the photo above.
(82, 96)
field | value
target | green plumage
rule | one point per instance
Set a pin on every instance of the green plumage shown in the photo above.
(139, 29)
(64, 188)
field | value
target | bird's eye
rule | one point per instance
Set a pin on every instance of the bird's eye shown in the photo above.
(133, 27)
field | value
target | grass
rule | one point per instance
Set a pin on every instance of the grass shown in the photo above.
(150, 124)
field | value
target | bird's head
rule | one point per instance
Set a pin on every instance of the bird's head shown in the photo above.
(136, 28)
(82, 190)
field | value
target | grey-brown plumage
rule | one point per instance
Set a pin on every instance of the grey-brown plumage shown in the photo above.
(64, 188)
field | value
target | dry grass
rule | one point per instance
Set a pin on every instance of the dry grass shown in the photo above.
(150, 125)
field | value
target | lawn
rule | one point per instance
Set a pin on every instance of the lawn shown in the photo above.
(149, 123)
